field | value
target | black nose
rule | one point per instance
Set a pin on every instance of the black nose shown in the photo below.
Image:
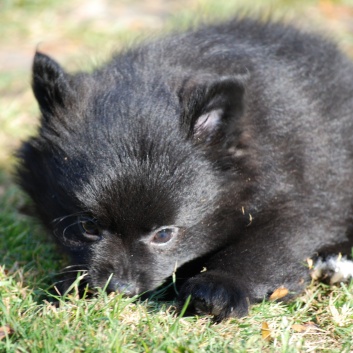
(119, 286)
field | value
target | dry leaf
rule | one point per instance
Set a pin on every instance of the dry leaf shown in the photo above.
(303, 327)
(299, 328)
(265, 332)
(279, 293)
(5, 331)
(310, 263)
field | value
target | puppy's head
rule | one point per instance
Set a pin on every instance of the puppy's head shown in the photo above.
(122, 170)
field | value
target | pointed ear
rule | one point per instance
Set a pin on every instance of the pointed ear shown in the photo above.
(210, 105)
(50, 83)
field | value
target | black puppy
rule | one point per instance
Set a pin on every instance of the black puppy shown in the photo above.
(226, 152)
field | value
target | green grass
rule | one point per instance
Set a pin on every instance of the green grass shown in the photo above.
(28, 257)
(115, 324)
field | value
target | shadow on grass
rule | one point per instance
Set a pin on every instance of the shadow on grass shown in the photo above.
(26, 251)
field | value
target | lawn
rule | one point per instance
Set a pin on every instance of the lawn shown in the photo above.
(81, 34)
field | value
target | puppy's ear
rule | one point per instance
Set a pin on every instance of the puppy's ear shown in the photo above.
(50, 83)
(211, 104)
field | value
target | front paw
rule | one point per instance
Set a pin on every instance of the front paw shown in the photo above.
(213, 293)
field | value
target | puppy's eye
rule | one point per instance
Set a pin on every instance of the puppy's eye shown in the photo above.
(90, 229)
(164, 235)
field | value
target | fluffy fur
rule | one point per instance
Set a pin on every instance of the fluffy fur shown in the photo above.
(334, 269)
(225, 152)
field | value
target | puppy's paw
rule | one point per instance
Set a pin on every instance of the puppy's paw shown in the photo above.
(213, 293)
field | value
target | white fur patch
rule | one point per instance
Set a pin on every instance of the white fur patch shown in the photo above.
(335, 268)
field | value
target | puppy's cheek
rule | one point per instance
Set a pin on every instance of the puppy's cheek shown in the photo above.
(214, 295)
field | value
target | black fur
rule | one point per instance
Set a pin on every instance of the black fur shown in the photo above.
(231, 144)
